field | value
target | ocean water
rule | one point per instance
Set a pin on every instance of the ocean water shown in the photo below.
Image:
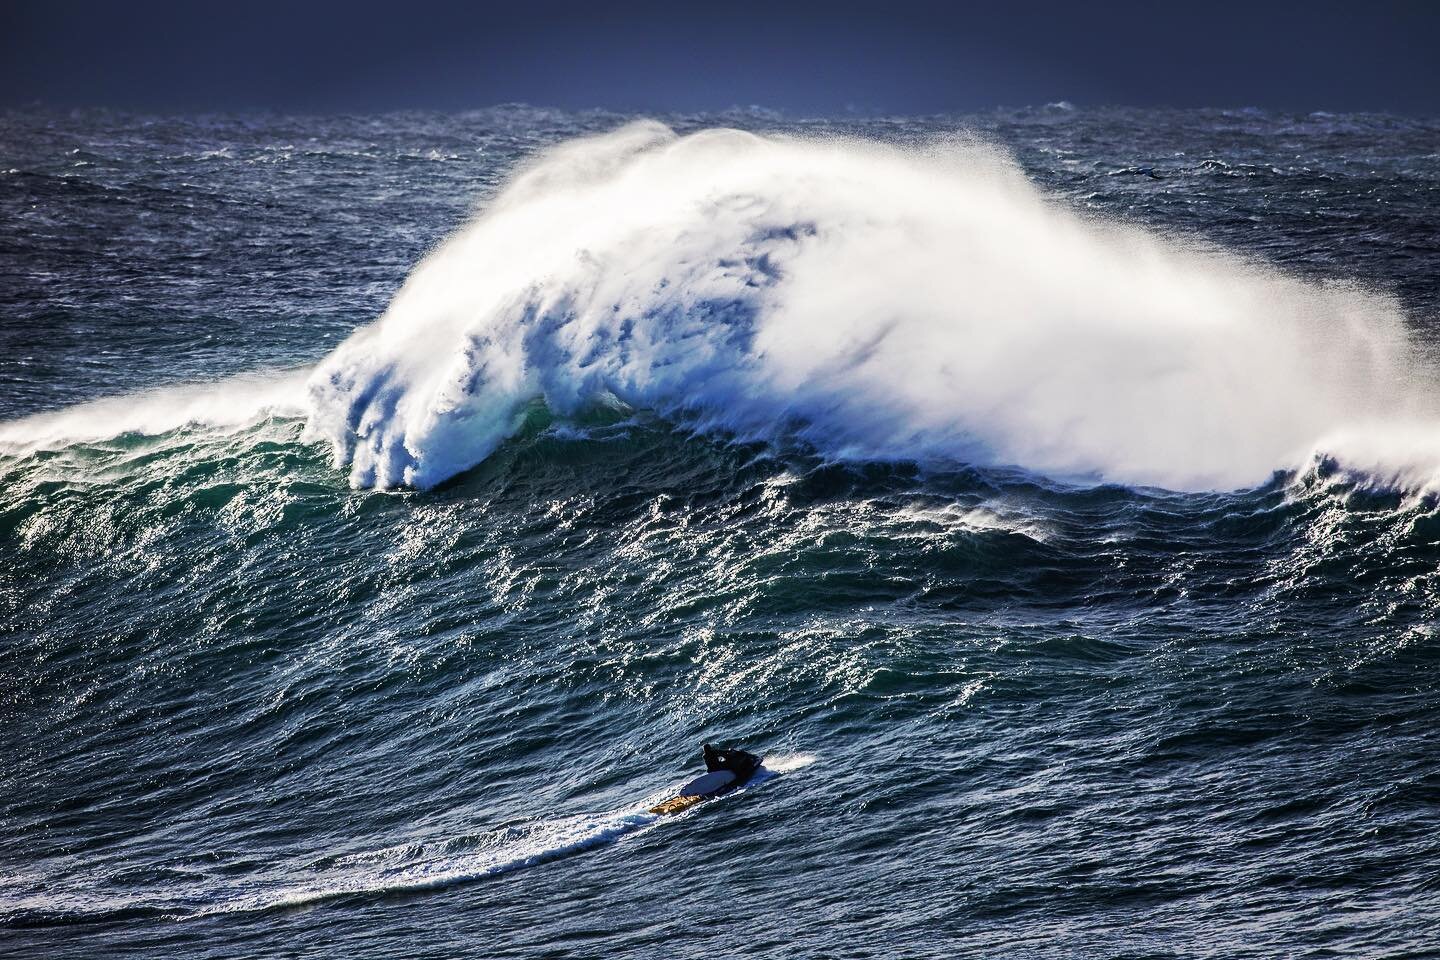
(391, 505)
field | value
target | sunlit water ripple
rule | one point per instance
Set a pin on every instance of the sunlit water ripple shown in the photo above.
(1007, 708)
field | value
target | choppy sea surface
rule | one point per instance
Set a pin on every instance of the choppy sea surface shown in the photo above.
(391, 505)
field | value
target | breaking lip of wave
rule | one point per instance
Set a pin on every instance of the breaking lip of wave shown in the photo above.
(869, 301)
(877, 302)
(400, 869)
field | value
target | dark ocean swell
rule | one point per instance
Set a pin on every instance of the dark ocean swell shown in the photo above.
(385, 650)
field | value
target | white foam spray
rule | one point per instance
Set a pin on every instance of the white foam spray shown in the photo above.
(787, 762)
(228, 404)
(876, 301)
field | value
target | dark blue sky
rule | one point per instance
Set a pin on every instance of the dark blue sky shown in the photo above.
(825, 58)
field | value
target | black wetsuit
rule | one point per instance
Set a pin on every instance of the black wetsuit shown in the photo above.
(738, 762)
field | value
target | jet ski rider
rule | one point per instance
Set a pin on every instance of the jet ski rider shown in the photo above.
(735, 761)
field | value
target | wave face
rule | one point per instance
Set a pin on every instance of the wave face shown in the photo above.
(809, 488)
(876, 302)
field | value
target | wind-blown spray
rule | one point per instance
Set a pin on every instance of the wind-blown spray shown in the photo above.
(871, 300)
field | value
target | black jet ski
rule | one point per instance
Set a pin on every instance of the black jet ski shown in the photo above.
(727, 769)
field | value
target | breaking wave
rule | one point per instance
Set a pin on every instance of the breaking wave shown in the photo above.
(875, 302)
(870, 301)
(228, 404)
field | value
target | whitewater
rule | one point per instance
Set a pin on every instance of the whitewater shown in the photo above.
(391, 506)
(924, 303)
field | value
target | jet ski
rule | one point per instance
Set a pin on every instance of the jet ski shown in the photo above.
(727, 769)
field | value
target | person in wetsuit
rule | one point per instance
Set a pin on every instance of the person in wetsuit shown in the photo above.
(738, 762)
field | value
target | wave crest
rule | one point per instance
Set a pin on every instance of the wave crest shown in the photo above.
(874, 301)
